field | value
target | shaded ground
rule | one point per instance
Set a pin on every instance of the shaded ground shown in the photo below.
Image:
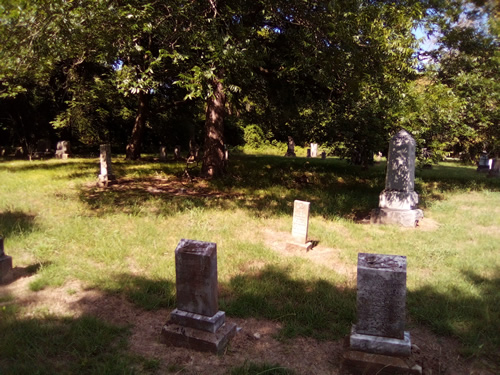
(255, 340)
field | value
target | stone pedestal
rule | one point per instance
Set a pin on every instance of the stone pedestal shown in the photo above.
(5, 264)
(405, 218)
(197, 323)
(106, 176)
(300, 227)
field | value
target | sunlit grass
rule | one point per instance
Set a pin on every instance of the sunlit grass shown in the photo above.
(122, 239)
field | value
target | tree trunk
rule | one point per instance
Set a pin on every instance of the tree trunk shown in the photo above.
(213, 157)
(135, 143)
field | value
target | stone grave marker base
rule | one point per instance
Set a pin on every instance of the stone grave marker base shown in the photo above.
(354, 362)
(5, 267)
(197, 321)
(106, 180)
(196, 339)
(294, 246)
(380, 345)
(406, 218)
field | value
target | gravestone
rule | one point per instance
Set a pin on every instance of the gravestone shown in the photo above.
(300, 227)
(308, 153)
(197, 323)
(483, 164)
(177, 153)
(495, 168)
(398, 201)
(290, 152)
(163, 153)
(194, 151)
(63, 150)
(106, 176)
(314, 150)
(379, 335)
(5, 263)
(323, 155)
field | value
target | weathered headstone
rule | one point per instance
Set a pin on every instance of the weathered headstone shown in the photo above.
(106, 177)
(495, 168)
(5, 263)
(314, 150)
(323, 155)
(163, 153)
(308, 155)
(300, 227)
(290, 152)
(177, 152)
(398, 201)
(63, 150)
(381, 310)
(197, 323)
(483, 164)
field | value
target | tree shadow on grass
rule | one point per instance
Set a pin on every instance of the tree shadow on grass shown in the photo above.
(475, 319)
(14, 223)
(313, 308)
(54, 345)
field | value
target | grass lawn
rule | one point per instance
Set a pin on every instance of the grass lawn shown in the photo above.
(121, 241)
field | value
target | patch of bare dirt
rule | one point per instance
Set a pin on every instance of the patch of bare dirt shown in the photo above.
(255, 340)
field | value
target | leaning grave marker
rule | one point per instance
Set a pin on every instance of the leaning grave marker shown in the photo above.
(197, 323)
(300, 227)
(398, 201)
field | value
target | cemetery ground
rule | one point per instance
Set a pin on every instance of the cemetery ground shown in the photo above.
(94, 272)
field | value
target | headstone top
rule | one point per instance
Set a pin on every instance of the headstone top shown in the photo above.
(196, 247)
(382, 261)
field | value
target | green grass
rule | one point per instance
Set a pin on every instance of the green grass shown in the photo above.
(121, 240)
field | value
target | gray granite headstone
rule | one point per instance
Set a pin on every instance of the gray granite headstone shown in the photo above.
(398, 201)
(381, 305)
(196, 277)
(177, 152)
(290, 151)
(483, 164)
(197, 322)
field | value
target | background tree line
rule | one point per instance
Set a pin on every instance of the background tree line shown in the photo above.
(344, 73)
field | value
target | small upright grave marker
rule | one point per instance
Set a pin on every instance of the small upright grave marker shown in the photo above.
(5, 263)
(290, 151)
(163, 153)
(378, 340)
(314, 150)
(177, 152)
(197, 323)
(300, 226)
(484, 164)
(106, 176)
(398, 201)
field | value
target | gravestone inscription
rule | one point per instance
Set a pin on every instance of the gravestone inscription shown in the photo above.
(381, 305)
